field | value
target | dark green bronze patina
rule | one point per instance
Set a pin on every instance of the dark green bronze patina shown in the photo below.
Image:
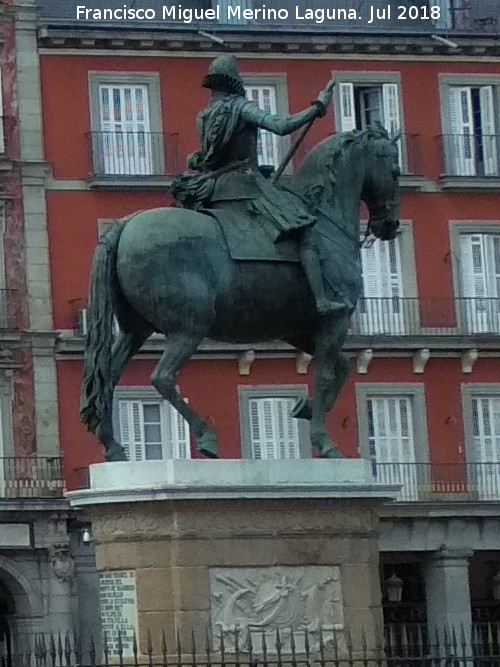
(170, 270)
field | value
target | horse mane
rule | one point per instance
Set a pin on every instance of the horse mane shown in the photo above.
(318, 171)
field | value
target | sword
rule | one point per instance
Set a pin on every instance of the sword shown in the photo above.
(294, 147)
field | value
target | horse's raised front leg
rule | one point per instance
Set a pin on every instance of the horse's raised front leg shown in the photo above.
(124, 348)
(179, 348)
(332, 369)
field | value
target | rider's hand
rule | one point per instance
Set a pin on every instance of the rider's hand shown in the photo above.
(324, 99)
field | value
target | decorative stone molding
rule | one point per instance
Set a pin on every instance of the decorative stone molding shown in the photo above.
(278, 598)
(230, 520)
(302, 362)
(63, 564)
(245, 361)
(469, 358)
(363, 361)
(420, 359)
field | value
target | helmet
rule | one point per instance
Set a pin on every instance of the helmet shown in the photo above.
(223, 75)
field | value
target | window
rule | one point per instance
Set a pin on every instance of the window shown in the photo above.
(388, 304)
(472, 145)
(482, 427)
(267, 142)
(2, 136)
(268, 430)
(149, 428)
(478, 270)
(392, 429)
(126, 125)
(362, 104)
(239, 5)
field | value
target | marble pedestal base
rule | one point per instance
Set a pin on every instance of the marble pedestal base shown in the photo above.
(197, 545)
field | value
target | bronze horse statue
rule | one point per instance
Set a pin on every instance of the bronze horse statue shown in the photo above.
(169, 270)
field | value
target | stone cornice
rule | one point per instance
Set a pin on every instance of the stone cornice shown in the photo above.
(177, 39)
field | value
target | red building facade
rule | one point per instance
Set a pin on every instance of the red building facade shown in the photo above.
(423, 398)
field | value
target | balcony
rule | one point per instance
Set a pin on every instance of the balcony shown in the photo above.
(471, 159)
(441, 482)
(31, 477)
(133, 158)
(399, 316)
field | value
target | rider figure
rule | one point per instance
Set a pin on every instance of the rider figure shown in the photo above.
(229, 173)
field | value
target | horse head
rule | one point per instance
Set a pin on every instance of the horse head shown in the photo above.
(381, 185)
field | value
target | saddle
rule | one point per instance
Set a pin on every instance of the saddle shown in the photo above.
(248, 236)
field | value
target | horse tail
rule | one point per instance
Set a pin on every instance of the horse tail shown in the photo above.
(97, 387)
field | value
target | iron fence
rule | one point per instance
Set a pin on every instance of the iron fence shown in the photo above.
(139, 154)
(392, 647)
(473, 155)
(439, 482)
(31, 477)
(408, 316)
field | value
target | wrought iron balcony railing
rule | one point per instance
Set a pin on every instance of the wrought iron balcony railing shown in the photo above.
(31, 477)
(401, 316)
(404, 316)
(471, 155)
(133, 154)
(426, 482)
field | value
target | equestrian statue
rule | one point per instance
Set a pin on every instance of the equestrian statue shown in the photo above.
(242, 258)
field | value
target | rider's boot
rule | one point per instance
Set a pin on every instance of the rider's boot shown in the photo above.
(312, 267)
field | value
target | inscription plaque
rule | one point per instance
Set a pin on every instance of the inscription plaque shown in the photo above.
(118, 597)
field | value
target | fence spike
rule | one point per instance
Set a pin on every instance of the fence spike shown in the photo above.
(53, 650)
(349, 644)
(222, 647)
(236, 645)
(164, 652)
(307, 647)
(335, 644)
(135, 649)
(106, 649)
(292, 648)
(67, 649)
(454, 642)
(364, 649)
(208, 646)
(264, 649)
(92, 651)
(249, 646)
(149, 648)
(60, 652)
(321, 648)
(179, 649)
(193, 648)
(278, 645)
(120, 649)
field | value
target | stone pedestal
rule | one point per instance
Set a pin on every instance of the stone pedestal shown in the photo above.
(216, 545)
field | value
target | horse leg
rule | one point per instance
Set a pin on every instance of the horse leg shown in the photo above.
(303, 408)
(180, 348)
(124, 348)
(332, 368)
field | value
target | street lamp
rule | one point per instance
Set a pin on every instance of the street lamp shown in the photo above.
(394, 588)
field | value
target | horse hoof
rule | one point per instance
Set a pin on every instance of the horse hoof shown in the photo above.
(302, 409)
(207, 445)
(115, 453)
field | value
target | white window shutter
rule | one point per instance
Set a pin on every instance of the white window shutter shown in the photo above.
(460, 146)
(267, 146)
(176, 433)
(273, 432)
(2, 128)
(131, 429)
(347, 107)
(392, 429)
(124, 140)
(381, 308)
(488, 131)
(392, 121)
(486, 428)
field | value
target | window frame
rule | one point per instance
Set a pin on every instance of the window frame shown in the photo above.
(469, 392)
(465, 80)
(375, 79)
(247, 392)
(408, 278)
(456, 229)
(146, 394)
(152, 82)
(279, 82)
(413, 390)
